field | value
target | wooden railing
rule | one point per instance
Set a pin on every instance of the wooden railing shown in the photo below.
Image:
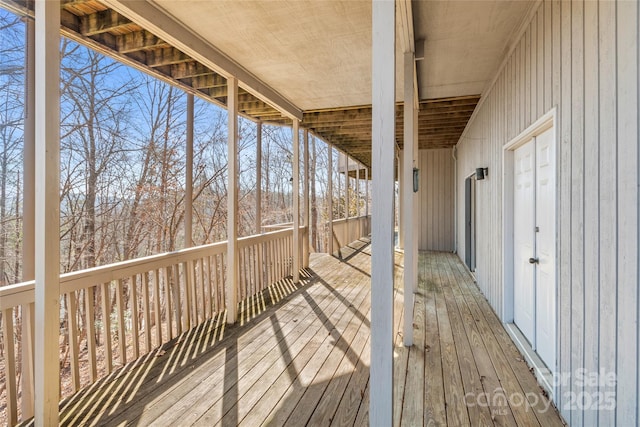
(346, 231)
(264, 259)
(133, 307)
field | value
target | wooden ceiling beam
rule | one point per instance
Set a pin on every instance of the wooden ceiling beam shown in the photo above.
(186, 70)
(449, 103)
(139, 40)
(209, 81)
(166, 56)
(102, 22)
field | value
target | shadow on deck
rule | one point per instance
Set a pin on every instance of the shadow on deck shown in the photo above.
(305, 360)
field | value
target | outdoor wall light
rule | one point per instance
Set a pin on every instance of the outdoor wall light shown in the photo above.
(481, 173)
(416, 179)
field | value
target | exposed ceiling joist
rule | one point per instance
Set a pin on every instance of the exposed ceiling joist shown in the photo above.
(102, 22)
(139, 40)
(164, 26)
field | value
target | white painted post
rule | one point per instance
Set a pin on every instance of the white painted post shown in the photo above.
(258, 177)
(346, 200)
(28, 220)
(366, 200)
(188, 190)
(330, 195)
(47, 208)
(358, 191)
(296, 201)
(366, 190)
(400, 198)
(232, 202)
(383, 137)
(410, 257)
(305, 190)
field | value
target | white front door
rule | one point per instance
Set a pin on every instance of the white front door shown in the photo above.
(545, 202)
(534, 244)
(523, 226)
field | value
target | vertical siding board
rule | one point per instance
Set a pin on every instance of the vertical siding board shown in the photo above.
(431, 206)
(533, 70)
(627, 349)
(516, 112)
(591, 210)
(437, 181)
(564, 290)
(527, 78)
(540, 62)
(577, 202)
(556, 52)
(607, 198)
(547, 56)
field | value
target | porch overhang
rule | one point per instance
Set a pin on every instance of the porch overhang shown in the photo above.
(305, 60)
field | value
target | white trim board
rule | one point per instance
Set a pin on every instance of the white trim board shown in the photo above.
(540, 370)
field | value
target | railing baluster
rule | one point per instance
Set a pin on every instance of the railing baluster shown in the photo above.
(175, 294)
(168, 303)
(122, 340)
(89, 312)
(10, 366)
(156, 306)
(186, 310)
(145, 307)
(28, 344)
(280, 246)
(206, 283)
(133, 303)
(274, 261)
(201, 282)
(254, 265)
(223, 279)
(259, 268)
(191, 268)
(106, 326)
(72, 334)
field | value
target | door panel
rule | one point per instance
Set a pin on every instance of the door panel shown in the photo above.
(523, 218)
(545, 248)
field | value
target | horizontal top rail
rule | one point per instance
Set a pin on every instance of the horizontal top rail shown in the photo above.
(243, 242)
(280, 226)
(24, 293)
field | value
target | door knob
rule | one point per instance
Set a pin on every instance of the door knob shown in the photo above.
(534, 261)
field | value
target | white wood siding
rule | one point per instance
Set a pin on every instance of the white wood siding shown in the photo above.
(581, 57)
(436, 200)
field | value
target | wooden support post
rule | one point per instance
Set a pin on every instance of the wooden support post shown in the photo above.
(330, 196)
(366, 192)
(231, 291)
(305, 191)
(408, 201)
(400, 199)
(383, 137)
(258, 177)
(358, 191)
(188, 197)
(346, 188)
(28, 220)
(296, 201)
(190, 304)
(346, 200)
(47, 208)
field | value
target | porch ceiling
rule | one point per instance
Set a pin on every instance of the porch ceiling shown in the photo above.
(314, 54)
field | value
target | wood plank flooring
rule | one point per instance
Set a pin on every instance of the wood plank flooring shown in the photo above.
(305, 361)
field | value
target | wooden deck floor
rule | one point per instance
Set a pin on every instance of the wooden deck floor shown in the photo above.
(305, 361)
